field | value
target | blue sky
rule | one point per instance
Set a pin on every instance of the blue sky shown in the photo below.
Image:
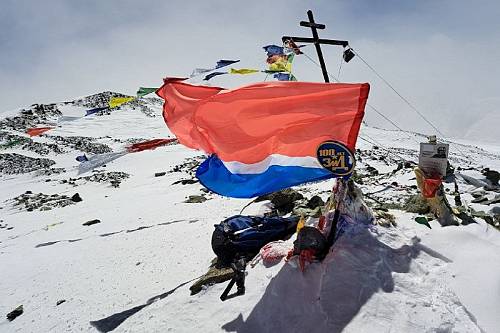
(442, 55)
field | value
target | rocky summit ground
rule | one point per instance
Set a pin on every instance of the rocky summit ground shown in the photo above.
(117, 248)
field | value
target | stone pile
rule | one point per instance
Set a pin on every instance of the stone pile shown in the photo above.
(39, 201)
(113, 177)
(13, 163)
(82, 143)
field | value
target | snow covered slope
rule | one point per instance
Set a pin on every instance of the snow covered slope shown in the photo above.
(131, 271)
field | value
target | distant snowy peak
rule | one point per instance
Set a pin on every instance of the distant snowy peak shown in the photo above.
(49, 114)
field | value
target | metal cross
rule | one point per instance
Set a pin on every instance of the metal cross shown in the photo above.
(316, 40)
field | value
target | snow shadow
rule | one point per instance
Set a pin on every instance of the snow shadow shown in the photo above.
(115, 232)
(108, 324)
(327, 296)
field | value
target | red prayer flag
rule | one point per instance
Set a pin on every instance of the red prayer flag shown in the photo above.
(37, 130)
(146, 145)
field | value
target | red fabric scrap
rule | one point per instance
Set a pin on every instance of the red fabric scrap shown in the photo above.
(147, 145)
(37, 130)
(431, 186)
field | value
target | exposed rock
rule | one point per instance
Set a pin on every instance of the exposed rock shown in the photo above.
(214, 275)
(357, 177)
(115, 178)
(102, 99)
(385, 219)
(82, 143)
(188, 166)
(59, 302)
(195, 199)
(9, 140)
(76, 198)
(185, 181)
(50, 171)
(15, 313)
(40, 201)
(416, 204)
(307, 212)
(283, 201)
(35, 115)
(478, 194)
(91, 222)
(492, 175)
(13, 163)
(372, 171)
(495, 200)
(159, 174)
(315, 201)
(479, 199)
(99, 100)
(311, 208)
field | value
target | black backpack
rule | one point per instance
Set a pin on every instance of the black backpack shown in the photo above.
(243, 236)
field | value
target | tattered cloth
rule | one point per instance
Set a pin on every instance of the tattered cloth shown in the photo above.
(37, 131)
(148, 145)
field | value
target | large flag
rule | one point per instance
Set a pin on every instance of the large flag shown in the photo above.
(263, 137)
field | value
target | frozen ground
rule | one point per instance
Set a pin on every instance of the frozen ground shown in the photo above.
(133, 270)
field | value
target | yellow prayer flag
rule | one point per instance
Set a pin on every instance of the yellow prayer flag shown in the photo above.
(243, 71)
(117, 101)
(281, 66)
(301, 223)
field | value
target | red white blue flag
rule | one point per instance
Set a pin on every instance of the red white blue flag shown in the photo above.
(263, 137)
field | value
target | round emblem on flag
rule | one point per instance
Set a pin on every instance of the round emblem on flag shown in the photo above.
(336, 157)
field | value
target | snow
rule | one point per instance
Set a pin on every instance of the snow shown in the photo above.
(133, 268)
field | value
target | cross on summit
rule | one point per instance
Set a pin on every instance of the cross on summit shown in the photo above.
(318, 41)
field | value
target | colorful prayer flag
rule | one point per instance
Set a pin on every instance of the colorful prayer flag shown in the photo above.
(243, 71)
(290, 46)
(145, 91)
(263, 137)
(92, 111)
(149, 145)
(274, 50)
(37, 131)
(284, 77)
(280, 63)
(64, 119)
(211, 75)
(98, 160)
(199, 71)
(224, 63)
(82, 158)
(117, 101)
